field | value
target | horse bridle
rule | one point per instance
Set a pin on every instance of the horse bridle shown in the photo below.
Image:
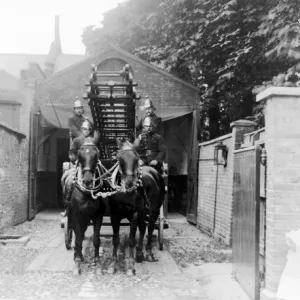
(82, 170)
(137, 175)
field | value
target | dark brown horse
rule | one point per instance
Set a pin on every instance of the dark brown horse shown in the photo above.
(141, 197)
(83, 206)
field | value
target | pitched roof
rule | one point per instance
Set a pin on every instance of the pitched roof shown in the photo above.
(11, 96)
(13, 63)
(66, 60)
(125, 53)
(8, 81)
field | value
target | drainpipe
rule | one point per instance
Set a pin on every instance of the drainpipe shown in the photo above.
(216, 191)
(215, 203)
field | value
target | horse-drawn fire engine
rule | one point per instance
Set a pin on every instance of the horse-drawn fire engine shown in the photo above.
(112, 99)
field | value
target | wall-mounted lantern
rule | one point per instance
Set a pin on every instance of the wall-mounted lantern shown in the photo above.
(263, 157)
(220, 154)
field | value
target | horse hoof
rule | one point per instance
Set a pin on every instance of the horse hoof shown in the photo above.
(111, 270)
(151, 258)
(99, 271)
(130, 272)
(139, 257)
(79, 259)
(76, 271)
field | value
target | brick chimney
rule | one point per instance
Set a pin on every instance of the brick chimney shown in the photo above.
(54, 51)
(56, 32)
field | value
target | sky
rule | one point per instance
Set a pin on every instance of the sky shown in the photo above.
(27, 26)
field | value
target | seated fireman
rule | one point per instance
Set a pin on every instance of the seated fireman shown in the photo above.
(76, 120)
(150, 146)
(149, 109)
(86, 134)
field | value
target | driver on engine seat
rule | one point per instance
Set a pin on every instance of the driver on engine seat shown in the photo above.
(86, 130)
(76, 120)
(150, 146)
(86, 135)
(150, 112)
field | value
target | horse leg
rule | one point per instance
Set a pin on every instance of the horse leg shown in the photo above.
(139, 249)
(115, 221)
(97, 222)
(80, 226)
(149, 254)
(132, 243)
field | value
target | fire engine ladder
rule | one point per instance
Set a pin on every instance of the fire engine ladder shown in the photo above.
(112, 99)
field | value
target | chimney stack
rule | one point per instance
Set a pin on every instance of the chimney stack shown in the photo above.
(57, 37)
(54, 52)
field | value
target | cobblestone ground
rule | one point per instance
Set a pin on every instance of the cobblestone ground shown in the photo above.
(153, 280)
(189, 246)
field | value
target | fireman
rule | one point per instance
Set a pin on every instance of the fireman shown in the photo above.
(76, 120)
(150, 112)
(150, 145)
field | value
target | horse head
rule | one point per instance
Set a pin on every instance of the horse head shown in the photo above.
(129, 163)
(88, 156)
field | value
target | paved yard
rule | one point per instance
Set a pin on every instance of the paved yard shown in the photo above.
(42, 269)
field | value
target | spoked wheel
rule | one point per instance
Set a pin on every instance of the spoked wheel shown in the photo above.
(68, 233)
(161, 229)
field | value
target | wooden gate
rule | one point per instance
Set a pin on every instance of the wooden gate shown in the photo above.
(32, 182)
(192, 184)
(245, 231)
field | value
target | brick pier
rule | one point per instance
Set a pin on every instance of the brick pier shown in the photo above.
(282, 141)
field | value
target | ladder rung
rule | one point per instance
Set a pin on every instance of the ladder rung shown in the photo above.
(114, 131)
(113, 99)
(108, 106)
(108, 74)
(114, 118)
(97, 84)
(113, 114)
(113, 123)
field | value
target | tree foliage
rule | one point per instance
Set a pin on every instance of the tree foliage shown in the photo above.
(225, 47)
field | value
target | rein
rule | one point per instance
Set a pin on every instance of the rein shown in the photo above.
(80, 185)
(109, 176)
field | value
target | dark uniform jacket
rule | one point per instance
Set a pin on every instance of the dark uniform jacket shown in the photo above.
(150, 147)
(79, 141)
(74, 124)
(157, 121)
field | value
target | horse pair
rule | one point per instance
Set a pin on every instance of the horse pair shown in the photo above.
(140, 196)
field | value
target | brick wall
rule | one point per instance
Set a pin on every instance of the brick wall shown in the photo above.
(165, 90)
(282, 140)
(13, 176)
(215, 191)
(10, 113)
(215, 183)
(27, 99)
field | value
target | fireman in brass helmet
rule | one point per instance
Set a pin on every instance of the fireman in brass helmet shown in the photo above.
(150, 145)
(76, 120)
(86, 135)
(150, 112)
